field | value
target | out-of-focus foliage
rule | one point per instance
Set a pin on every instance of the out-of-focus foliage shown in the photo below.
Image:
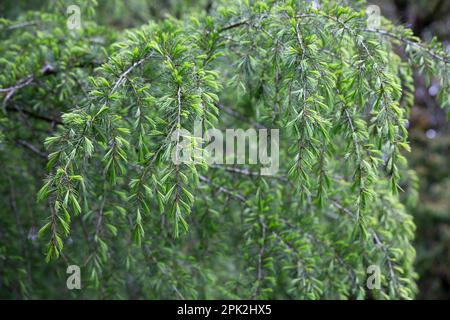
(429, 135)
(432, 214)
(117, 13)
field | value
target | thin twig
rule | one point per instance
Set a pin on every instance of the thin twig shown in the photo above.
(32, 148)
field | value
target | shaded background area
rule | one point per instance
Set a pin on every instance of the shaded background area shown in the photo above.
(428, 124)
(429, 131)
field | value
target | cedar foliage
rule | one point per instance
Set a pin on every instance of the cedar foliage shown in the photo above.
(105, 106)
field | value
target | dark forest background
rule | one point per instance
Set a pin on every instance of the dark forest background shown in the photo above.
(428, 123)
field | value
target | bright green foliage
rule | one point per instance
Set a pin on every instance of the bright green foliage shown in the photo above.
(141, 226)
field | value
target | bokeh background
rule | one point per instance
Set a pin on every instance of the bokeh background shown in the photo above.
(429, 125)
(430, 143)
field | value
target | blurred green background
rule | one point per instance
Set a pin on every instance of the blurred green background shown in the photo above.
(428, 124)
(430, 144)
